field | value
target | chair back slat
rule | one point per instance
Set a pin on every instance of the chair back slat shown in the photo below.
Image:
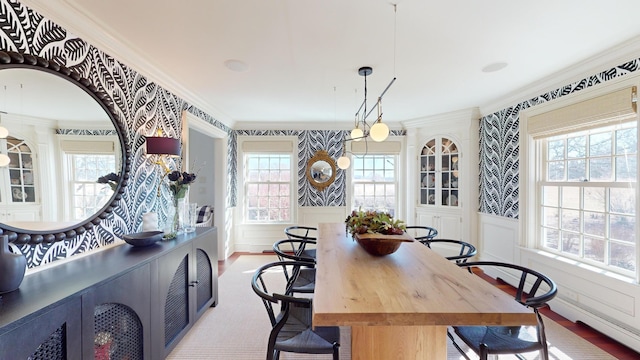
(300, 232)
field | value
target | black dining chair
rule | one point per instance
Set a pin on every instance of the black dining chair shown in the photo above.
(306, 233)
(290, 316)
(304, 280)
(421, 233)
(301, 232)
(534, 290)
(463, 248)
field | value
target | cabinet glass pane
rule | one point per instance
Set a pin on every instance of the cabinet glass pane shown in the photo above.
(438, 179)
(21, 172)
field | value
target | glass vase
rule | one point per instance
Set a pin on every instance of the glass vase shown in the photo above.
(180, 202)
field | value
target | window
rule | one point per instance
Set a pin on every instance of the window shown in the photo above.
(374, 183)
(587, 195)
(268, 187)
(88, 196)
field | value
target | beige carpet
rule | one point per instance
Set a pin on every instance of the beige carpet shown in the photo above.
(238, 327)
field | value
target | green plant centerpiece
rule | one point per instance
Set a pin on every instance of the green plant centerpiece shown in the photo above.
(373, 222)
(377, 231)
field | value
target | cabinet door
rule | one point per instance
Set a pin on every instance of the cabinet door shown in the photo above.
(448, 225)
(171, 299)
(116, 317)
(21, 172)
(54, 335)
(439, 175)
(206, 272)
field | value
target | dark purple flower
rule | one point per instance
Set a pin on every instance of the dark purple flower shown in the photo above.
(109, 177)
(188, 178)
(174, 175)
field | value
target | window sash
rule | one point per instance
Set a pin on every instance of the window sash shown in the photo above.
(599, 229)
(371, 192)
(272, 206)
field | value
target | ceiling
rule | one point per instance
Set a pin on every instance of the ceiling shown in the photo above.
(39, 94)
(303, 56)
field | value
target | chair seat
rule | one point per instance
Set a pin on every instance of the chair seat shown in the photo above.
(499, 339)
(309, 254)
(305, 282)
(318, 341)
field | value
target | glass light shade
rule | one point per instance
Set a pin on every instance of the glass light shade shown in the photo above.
(344, 162)
(3, 132)
(379, 131)
(356, 134)
(4, 160)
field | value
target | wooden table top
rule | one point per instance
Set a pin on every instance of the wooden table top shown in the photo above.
(413, 286)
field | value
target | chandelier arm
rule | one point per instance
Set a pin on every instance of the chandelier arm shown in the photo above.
(379, 98)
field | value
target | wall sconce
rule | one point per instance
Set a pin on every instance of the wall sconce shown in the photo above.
(158, 145)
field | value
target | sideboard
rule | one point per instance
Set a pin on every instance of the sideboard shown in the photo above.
(121, 303)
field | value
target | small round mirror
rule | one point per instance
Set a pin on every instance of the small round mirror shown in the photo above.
(321, 170)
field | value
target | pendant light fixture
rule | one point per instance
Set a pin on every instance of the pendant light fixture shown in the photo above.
(379, 131)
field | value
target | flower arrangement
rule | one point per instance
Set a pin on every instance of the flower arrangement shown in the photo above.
(373, 222)
(179, 183)
(111, 179)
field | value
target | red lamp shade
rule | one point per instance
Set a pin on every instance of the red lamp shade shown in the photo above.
(163, 146)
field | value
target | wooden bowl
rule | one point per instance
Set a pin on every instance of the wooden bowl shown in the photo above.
(380, 244)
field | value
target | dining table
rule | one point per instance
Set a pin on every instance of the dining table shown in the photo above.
(400, 305)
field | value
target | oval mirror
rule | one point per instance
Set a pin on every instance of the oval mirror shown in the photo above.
(321, 170)
(63, 138)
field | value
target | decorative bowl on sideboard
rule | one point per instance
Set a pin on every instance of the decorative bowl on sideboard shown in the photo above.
(142, 239)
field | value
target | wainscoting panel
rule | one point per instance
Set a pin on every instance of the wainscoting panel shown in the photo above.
(257, 238)
(498, 238)
(314, 215)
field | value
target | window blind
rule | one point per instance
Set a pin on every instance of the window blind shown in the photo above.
(267, 146)
(372, 147)
(87, 147)
(615, 107)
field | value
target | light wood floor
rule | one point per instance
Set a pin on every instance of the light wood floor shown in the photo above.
(604, 342)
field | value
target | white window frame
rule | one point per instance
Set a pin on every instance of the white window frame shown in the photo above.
(103, 190)
(530, 177)
(271, 146)
(395, 183)
(79, 144)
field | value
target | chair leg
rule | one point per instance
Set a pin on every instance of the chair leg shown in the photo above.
(336, 351)
(484, 352)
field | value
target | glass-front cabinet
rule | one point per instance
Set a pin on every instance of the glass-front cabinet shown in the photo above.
(439, 176)
(20, 171)
(18, 194)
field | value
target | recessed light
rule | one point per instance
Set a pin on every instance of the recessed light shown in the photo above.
(494, 67)
(236, 65)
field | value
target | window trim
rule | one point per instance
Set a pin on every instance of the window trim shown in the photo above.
(530, 172)
(264, 144)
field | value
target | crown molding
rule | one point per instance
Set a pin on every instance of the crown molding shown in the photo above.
(457, 117)
(67, 15)
(612, 57)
